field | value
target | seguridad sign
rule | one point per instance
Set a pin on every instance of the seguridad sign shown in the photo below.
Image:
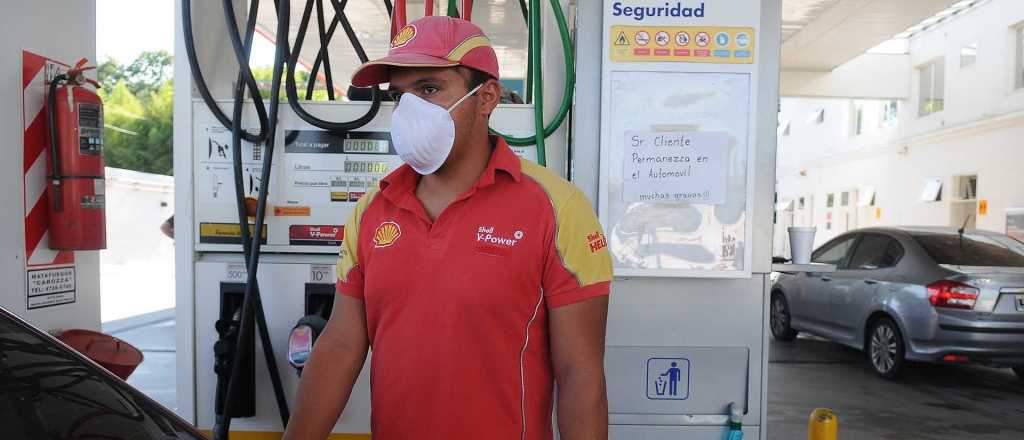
(669, 10)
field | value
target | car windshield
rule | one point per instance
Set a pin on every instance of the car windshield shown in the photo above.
(47, 392)
(976, 249)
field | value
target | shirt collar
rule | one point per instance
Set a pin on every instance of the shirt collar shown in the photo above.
(403, 180)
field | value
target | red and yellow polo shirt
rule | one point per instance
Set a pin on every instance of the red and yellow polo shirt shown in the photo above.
(457, 308)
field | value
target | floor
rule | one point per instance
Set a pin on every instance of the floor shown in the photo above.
(932, 402)
(153, 334)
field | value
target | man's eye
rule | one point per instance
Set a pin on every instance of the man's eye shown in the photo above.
(429, 90)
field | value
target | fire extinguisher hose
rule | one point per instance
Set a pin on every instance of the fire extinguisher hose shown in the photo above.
(51, 116)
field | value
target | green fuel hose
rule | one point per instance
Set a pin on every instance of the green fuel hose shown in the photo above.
(535, 44)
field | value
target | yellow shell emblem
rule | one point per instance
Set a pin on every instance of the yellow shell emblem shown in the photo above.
(386, 235)
(403, 37)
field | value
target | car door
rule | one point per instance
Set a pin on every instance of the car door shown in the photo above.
(855, 284)
(813, 311)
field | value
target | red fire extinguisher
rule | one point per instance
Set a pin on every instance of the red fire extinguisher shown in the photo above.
(76, 169)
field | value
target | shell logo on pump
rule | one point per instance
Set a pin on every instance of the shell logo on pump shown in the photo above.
(403, 36)
(386, 235)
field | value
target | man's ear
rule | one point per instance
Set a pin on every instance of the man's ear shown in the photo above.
(490, 96)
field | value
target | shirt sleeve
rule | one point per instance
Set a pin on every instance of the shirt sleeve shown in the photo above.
(578, 265)
(349, 267)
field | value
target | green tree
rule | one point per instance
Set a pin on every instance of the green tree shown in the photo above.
(138, 113)
(144, 75)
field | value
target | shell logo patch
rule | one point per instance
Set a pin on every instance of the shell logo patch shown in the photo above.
(386, 235)
(403, 36)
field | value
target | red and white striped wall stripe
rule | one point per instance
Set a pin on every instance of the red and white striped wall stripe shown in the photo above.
(36, 140)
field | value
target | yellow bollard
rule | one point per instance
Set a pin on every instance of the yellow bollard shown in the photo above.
(823, 425)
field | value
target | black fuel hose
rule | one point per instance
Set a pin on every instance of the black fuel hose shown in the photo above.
(323, 54)
(204, 90)
(290, 86)
(251, 304)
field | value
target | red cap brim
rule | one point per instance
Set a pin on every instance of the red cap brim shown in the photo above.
(377, 71)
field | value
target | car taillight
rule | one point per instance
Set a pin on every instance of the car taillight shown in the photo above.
(952, 295)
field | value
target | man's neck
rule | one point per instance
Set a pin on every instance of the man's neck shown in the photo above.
(460, 174)
(438, 190)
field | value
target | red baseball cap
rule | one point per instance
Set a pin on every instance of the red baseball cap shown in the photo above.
(434, 41)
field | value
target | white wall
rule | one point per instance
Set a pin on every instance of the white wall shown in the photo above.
(979, 132)
(137, 268)
(62, 30)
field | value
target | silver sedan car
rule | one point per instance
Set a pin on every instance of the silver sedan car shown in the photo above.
(911, 294)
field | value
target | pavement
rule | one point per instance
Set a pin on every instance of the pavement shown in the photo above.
(930, 402)
(153, 334)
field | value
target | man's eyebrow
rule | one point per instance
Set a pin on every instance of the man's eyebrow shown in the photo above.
(428, 79)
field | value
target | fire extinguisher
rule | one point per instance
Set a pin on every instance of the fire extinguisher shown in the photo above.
(75, 172)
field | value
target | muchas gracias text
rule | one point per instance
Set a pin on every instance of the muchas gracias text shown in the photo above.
(669, 10)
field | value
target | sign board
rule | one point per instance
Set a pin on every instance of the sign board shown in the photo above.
(52, 286)
(679, 87)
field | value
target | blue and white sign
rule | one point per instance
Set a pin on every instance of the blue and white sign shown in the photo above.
(668, 379)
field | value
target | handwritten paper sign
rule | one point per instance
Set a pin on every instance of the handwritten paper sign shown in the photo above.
(680, 166)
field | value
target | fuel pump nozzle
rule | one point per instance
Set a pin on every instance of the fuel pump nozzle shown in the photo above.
(304, 335)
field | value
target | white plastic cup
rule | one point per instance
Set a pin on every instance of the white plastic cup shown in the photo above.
(801, 243)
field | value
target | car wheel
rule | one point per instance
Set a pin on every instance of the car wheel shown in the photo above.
(1020, 372)
(885, 350)
(780, 319)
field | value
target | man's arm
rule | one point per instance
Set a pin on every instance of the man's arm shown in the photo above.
(577, 353)
(333, 367)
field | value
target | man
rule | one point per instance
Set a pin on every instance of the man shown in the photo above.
(479, 279)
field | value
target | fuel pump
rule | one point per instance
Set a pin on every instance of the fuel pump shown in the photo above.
(254, 127)
(75, 171)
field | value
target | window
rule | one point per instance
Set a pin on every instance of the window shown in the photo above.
(932, 190)
(893, 254)
(890, 113)
(933, 82)
(830, 201)
(967, 187)
(1018, 72)
(844, 199)
(867, 196)
(784, 128)
(50, 392)
(858, 118)
(968, 54)
(977, 249)
(817, 117)
(802, 202)
(875, 251)
(835, 251)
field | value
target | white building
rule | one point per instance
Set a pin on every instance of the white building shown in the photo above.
(931, 133)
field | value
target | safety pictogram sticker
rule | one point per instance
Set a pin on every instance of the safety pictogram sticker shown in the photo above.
(661, 38)
(642, 38)
(621, 40)
(743, 39)
(722, 39)
(682, 38)
(703, 39)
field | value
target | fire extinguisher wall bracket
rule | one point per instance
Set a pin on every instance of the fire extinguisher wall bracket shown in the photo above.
(75, 182)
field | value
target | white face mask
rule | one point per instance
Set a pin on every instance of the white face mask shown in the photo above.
(424, 132)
